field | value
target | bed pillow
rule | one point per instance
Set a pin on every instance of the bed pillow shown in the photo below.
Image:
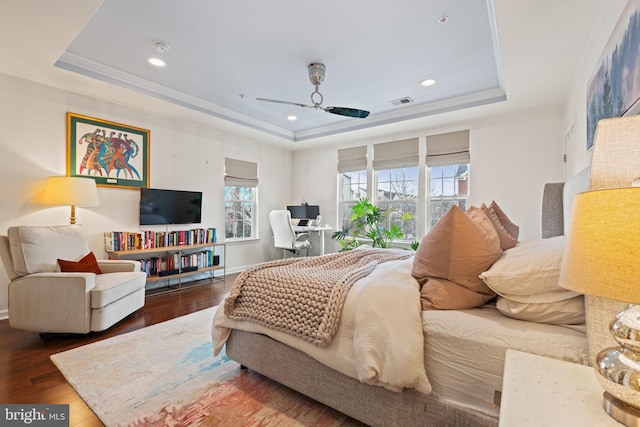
(566, 312)
(529, 272)
(88, 264)
(511, 228)
(443, 294)
(507, 241)
(456, 249)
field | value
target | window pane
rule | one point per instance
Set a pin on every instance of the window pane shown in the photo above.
(448, 185)
(239, 205)
(398, 195)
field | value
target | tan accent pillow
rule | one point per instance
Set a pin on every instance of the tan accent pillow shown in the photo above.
(507, 241)
(457, 249)
(511, 228)
(567, 312)
(443, 294)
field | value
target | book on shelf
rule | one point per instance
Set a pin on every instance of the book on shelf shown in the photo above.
(115, 241)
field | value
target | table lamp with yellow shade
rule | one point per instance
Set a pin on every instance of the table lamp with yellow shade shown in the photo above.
(71, 190)
(602, 258)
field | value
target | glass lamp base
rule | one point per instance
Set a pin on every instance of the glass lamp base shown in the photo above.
(620, 411)
(618, 368)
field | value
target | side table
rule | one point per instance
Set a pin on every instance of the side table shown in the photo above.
(540, 391)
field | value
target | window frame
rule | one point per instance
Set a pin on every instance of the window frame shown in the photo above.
(253, 213)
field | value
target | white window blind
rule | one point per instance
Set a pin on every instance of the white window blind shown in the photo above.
(448, 149)
(352, 159)
(240, 173)
(396, 154)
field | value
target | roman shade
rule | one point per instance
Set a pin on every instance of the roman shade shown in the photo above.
(352, 159)
(448, 149)
(396, 154)
(240, 173)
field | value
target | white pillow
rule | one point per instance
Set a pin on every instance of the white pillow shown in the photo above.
(36, 249)
(568, 312)
(529, 272)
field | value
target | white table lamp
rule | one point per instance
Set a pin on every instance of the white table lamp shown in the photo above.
(602, 258)
(70, 190)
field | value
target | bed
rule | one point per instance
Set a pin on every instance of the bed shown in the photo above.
(461, 351)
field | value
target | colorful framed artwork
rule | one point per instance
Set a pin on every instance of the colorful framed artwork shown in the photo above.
(113, 154)
(614, 87)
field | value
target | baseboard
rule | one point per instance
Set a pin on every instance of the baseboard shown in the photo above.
(4, 314)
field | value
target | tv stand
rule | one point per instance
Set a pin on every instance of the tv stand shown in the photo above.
(173, 263)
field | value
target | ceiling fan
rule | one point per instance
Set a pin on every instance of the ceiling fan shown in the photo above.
(316, 75)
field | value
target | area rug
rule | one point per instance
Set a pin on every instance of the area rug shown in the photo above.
(166, 375)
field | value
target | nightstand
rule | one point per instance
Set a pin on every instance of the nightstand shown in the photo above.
(540, 391)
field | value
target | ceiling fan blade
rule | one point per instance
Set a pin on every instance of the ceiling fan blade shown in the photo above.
(349, 112)
(284, 102)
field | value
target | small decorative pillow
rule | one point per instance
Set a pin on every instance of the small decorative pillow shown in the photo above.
(511, 228)
(88, 264)
(507, 241)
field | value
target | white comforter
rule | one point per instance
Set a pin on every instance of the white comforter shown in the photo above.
(379, 340)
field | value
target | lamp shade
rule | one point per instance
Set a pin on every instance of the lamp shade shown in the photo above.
(70, 190)
(602, 253)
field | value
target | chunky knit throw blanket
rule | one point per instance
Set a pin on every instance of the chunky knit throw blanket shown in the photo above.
(303, 296)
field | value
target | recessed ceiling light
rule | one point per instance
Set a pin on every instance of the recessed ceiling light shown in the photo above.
(292, 118)
(428, 82)
(157, 62)
(443, 19)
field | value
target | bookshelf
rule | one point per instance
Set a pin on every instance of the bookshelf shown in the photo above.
(169, 256)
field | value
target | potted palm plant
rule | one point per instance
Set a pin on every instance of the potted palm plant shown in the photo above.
(368, 222)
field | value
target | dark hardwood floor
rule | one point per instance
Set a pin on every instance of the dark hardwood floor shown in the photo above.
(27, 375)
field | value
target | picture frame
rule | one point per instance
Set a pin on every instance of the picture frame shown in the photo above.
(613, 89)
(113, 154)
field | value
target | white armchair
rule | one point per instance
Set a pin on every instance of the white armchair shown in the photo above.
(44, 299)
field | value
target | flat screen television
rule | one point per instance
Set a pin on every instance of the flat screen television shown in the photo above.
(161, 207)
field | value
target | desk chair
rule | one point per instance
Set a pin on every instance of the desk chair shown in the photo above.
(283, 235)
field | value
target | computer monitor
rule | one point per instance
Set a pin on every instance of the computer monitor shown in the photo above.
(313, 211)
(297, 211)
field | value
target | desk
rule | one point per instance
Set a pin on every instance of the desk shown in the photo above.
(311, 229)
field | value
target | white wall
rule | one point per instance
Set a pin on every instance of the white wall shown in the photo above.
(511, 159)
(183, 156)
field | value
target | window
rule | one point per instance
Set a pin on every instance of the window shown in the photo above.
(353, 187)
(448, 185)
(447, 173)
(240, 195)
(352, 175)
(397, 192)
(396, 166)
(239, 208)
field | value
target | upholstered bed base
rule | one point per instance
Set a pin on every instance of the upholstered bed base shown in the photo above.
(374, 406)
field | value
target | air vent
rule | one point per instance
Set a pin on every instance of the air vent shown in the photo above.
(402, 101)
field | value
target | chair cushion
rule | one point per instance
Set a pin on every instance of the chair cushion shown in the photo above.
(111, 287)
(36, 249)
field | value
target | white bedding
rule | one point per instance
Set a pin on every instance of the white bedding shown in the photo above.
(388, 354)
(465, 351)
